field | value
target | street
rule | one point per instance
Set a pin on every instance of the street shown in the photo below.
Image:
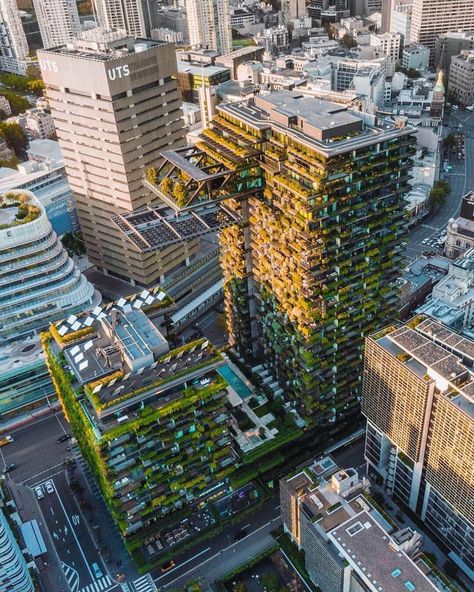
(461, 179)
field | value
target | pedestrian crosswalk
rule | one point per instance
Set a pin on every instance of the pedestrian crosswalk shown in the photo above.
(72, 576)
(98, 585)
(144, 584)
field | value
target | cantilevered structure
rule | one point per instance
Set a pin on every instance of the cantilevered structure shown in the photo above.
(310, 268)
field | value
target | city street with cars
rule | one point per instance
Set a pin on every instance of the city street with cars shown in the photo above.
(428, 234)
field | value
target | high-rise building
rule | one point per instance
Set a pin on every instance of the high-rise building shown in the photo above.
(116, 107)
(387, 7)
(13, 45)
(58, 21)
(295, 9)
(461, 78)
(209, 24)
(328, 514)
(39, 283)
(400, 21)
(433, 17)
(418, 400)
(312, 266)
(127, 15)
(449, 45)
(14, 574)
(389, 45)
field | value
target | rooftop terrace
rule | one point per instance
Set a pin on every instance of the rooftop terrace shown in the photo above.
(371, 552)
(18, 208)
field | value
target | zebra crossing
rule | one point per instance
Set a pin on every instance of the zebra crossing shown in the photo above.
(100, 585)
(144, 584)
(72, 576)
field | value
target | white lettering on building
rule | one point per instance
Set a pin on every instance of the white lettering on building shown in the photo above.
(48, 65)
(118, 72)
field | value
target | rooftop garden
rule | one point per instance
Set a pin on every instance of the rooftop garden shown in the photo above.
(16, 209)
(171, 366)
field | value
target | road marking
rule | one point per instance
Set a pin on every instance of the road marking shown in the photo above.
(100, 585)
(184, 563)
(71, 575)
(41, 473)
(75, 519)
(73, 532)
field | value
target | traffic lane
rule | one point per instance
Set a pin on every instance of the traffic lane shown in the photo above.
(35, 448)
(215, 563)
(71, 537)
(62, 529)
(268, 513)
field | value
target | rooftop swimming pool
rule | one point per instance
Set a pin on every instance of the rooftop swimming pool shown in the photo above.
(234, 381)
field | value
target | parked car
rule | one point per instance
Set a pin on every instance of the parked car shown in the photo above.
(49, 487)
(64, 438)
(39, 493)
(97, 571)
(167, 566)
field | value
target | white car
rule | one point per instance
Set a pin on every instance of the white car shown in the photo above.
(49, 487)
(39, 493)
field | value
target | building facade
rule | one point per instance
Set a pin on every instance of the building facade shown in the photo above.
(13, 45)
(58, 21)
(461, 78)
(416, 57)
(450, 45)
(209, 24)
(112, 124)
(313, 263)
(460, 231)
(126, 15)
(38, 281)
(417, 398)
(328, 514)
(14, 574)
(434, 17)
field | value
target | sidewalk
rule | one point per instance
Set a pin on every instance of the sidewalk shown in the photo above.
(51, 574)
(102, 528)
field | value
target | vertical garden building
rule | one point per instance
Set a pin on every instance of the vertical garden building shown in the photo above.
(311, 262)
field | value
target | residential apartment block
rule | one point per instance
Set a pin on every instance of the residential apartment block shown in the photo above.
(14, 574)
(209, 24)
(309, 197)
(431, 18)
(126, 15)
(13, 44)
(347, 544)
(116, 107)
(58, 21)
(418, 400)
(461, 78)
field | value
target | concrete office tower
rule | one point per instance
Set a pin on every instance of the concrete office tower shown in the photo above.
(13, 45)
(433, 17)
(418, 400)
(39, 283)
(14, 574)
(312, 265)
(127, 15)
(209, 24)
(116, 108)
(295, 8)
(461, 78)
(387, 7)
(58, 21)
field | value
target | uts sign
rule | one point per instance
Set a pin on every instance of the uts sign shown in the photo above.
(118, 72)
(112, 74)
(48, 66)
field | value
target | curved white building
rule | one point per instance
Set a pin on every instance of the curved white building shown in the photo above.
(39, 283)
(14, 574)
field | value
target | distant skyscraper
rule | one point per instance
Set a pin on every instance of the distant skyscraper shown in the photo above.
(58, 21)
(387, 7)
(209, 24)
(13, 44)
(296, 8)
(417, 397)
(433, 17)
(116, 108)
(128, 15)
(14, 574)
